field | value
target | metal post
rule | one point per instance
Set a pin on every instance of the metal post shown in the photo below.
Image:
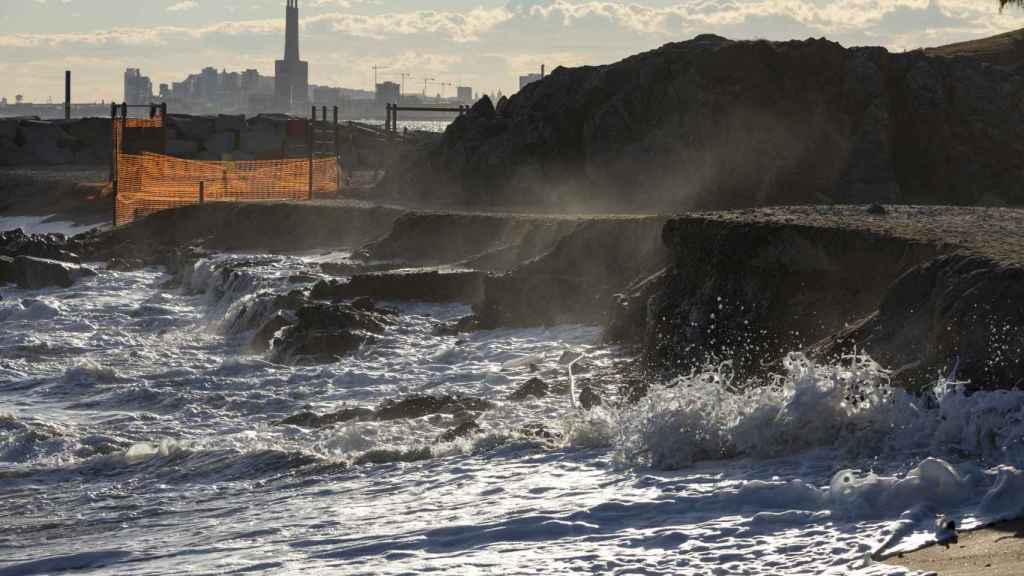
(163, 112)
(67, 94)
(117, 152)
(113, 139)
(323, 113)
(152, 111)
(202, 192)
(309, 139)
(314, 114)
(337, 152)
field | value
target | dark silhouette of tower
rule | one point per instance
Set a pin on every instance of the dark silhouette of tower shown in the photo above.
(291, 75)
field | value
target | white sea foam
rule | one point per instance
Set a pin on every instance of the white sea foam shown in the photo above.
(157, 427)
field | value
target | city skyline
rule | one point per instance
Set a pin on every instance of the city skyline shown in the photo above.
(488, 45)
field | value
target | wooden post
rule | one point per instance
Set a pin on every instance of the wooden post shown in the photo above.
(202, 192)
(314, 114)
(323, 114)
(163, 113)
(117, 151)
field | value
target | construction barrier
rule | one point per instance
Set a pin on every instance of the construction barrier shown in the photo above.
(147, 182)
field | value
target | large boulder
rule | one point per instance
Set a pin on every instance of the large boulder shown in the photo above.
(425, 405)
(48, 246)
(34, 273)
(324, 333)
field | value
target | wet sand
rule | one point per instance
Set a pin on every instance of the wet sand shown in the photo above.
(994, 551)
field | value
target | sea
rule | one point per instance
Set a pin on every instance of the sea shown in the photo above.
(140, 435)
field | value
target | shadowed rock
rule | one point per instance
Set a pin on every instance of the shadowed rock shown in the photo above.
(464, 430)
(532, 388)
(419, 406)
(312, 420)
(422, 286)
(34, 273)
(326, 332)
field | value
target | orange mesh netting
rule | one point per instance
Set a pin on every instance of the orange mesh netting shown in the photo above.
(148, 182)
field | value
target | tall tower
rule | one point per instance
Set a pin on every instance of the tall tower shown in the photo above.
(291, 75)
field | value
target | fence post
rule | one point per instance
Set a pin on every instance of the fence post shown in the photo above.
(323, 113)
(202, 192)
(337, 153)
(314, 114)
(113, 139)
(163, 113)
(309, 140)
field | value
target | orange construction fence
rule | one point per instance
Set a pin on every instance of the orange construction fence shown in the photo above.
(147, 182)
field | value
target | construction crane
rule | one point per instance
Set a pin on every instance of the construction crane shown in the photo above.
(375, 69)
(426, 82)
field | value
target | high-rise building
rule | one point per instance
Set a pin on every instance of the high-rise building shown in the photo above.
(291, 75)
(138, 89)
(465, 94)
(388, 93)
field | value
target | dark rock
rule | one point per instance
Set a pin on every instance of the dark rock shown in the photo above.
(589, 398)
(325, 332)
(460, 326)
(876, 210)
(366, 304)
(34, 273)
(127, 264)
(312, 420)
(796, 122)
(302, 278)
(958, 316)
(464, 430)
(419, 406)
(47, 246)
(428, 286)
(263, 337)
(532, 388)
(541, 431)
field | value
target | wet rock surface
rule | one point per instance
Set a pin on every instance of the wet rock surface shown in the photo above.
(532, 388)
(323, 333)
(419, 406)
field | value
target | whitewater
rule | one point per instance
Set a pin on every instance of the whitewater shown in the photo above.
(139, 435)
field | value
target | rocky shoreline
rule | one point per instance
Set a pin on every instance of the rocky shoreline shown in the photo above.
(925, 291)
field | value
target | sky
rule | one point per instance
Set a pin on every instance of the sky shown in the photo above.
(486, 44)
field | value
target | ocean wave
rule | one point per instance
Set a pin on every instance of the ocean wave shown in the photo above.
(851, 408)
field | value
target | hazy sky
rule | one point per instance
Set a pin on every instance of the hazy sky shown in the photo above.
(483, 43)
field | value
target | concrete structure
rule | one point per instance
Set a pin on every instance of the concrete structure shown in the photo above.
(291, 75)
(388, 93)
(464, 94)
(138, 89)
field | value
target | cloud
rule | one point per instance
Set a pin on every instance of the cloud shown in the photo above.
(182, 6)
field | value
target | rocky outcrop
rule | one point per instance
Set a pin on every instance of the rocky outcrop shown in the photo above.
(576, 280)
(714, 123)
(924, 291)
(323, 333)
(419, 406)
(39, 261)
(31, 273)
(31, 141)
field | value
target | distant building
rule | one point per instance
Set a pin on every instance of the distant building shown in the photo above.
(388, 93)
(528, 79)
(138, 89)
(326, 95)
(18, 99)
(3, 101)
(291, 75)
(250, 80)
(165, 92)
(464, 94)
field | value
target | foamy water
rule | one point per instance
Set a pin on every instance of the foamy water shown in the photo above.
(138, 436)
